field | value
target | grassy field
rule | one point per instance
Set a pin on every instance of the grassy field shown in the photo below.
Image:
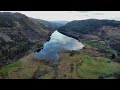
(101, 46)
(79, 65)
(27, 68)
(21, 69)
(93, 67)
(86, 66)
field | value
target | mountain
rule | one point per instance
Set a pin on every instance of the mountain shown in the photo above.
(18, 35)
(104, 34)
(49, 24)
(60, 22)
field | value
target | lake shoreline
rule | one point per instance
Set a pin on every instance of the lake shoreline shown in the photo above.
(57, 43)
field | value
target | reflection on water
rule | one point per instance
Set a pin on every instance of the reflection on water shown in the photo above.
(58, 42)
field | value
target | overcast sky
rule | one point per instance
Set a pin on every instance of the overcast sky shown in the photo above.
(71, 15)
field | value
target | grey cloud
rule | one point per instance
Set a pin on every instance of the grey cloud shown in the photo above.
(98, 14)
(84, 11)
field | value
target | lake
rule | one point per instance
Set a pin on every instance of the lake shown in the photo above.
(58, 42)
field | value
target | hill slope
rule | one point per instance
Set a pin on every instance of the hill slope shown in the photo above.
(49, 24)
(79, 65)
(106, 32)
(19, 34)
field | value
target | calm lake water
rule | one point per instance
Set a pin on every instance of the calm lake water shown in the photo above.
(58, 42)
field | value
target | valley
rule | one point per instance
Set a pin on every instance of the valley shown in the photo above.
(19, 34)
(38, 49)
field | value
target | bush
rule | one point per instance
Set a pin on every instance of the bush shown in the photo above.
(72, 53)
